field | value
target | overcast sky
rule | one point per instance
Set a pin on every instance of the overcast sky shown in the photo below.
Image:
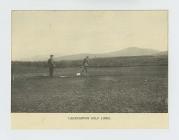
(40, 33)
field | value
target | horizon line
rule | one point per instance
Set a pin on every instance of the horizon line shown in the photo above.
(84, 53)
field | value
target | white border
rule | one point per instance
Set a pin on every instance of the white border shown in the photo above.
(139, 134)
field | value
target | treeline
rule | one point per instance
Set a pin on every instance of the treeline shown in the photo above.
(104, 62)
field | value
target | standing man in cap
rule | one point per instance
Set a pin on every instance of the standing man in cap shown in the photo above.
(51, 65)
(85, 65)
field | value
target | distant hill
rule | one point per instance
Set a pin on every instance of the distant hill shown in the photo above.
(132, 51)
(163, 53)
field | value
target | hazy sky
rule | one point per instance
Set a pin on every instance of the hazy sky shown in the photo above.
(40, 33)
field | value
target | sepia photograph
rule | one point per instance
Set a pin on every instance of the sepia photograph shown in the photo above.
(89, 62)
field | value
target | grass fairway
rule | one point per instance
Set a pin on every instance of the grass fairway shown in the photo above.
(135, 89)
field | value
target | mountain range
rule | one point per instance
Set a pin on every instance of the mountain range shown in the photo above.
(131, 51)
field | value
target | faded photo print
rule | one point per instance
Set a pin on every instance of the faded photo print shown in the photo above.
(89, 62)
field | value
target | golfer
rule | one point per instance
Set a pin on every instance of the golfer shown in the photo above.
(51, 65)
(85, 65)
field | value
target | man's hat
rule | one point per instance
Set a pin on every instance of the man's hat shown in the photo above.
(51, 55)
